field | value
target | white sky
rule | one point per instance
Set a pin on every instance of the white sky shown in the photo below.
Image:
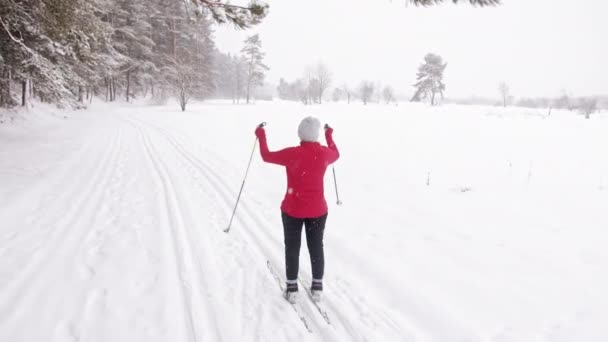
(537, 46)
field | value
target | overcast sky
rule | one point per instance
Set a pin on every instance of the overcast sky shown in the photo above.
(539, 47)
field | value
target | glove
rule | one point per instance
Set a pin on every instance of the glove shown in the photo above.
(260, 133)
(328, 130)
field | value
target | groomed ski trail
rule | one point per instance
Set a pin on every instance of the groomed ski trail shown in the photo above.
(265, 238)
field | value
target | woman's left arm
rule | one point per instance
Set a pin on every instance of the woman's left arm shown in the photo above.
(334, 154)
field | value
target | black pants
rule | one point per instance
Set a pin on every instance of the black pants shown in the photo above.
(292, 228)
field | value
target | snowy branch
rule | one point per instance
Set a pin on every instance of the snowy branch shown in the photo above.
(18, 41)
(216, 3)
(472, 2)
(241, 16)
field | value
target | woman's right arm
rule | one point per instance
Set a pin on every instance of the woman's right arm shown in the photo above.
(279, 157)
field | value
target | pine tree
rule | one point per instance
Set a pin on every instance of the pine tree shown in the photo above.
(186, 51)
(430, 78)
(252, 53)
(131, 39)
(52, 45)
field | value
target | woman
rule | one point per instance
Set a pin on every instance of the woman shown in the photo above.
(304, 202)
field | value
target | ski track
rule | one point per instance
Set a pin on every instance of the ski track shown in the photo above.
(61, 233)
(188, 263)
(49, 226)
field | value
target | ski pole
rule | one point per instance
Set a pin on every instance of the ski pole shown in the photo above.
(333, 168)
(244, 178)
(338, 202)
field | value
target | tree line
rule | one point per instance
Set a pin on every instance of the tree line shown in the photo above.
(313, 86)
(429, 86)
(67, 51)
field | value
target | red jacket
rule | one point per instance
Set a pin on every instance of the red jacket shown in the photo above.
(306, 165)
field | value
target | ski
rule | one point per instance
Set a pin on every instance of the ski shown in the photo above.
(295, 307)
(320, 307)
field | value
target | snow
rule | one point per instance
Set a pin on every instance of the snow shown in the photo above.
(459, 223)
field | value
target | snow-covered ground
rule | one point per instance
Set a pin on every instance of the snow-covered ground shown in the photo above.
(458, 224)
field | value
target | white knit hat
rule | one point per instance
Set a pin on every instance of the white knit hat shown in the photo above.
(309, 129)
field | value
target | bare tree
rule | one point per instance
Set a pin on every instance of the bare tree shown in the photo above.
(503, 88)
(324, 77)
(181, 78)
(366, 91)
(337, 94)
(347, 92)
(564, 101)
(389, 94)
(588, 106)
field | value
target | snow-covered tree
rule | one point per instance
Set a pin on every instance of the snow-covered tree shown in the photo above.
(252, 53)
(388, 94)
(366, 91)
(430, 78)
(49, 44)
(181, 77)
(132, 40)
